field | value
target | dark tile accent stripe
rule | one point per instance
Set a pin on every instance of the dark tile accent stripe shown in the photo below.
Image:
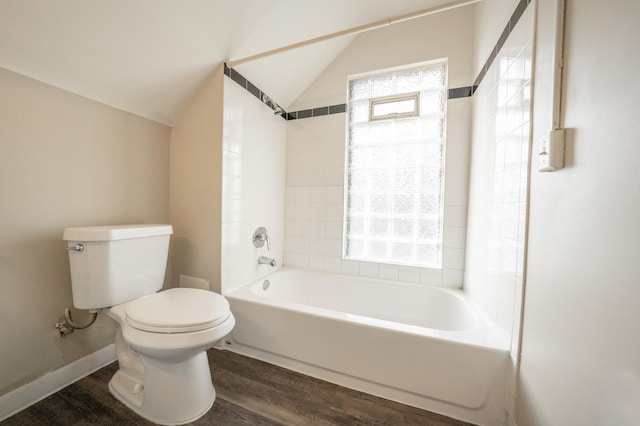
(320, 111)
(254, 90)
(238, 78)
(305, 113)
(460, 92)
(336, 109)
(455, 93)
(513, 21)
(317, 112)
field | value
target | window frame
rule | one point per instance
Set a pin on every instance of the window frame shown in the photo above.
(415, 96)
(439, 88)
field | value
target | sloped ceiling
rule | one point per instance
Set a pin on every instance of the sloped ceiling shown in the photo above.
(149, 57)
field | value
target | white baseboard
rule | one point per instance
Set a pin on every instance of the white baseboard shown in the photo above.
(19, 399)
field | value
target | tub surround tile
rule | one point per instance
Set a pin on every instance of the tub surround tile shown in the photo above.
(238, 78)
(318, 212)
(317, 112)
(289, 194)
(304, 114)
(369, 269)
(333, 264)
(337, 109)
(301, 211)
(460, 92)
(301, 260)
(322, 231)
(289, 211)
(318, 194)
(334, 211)
(453, 258)
(288, 258)
(350, 267)
(429, 276)
(334, 229)
(301, 245)
(452, 278)
(317, 230)
(289, 227)
(253, 89)
(316, 263)
(316, 247)
(409, 274)
(335, 194)
(455, 237)
(301, 228)
(455, 216)
(333, 247)
(302, 194)
(388, 272)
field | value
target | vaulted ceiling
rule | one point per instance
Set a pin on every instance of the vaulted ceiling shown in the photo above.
(149, 57)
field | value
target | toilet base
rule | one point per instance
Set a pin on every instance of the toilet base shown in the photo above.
(172, 393)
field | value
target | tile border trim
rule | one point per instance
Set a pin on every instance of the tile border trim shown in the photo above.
(459, 92)
(506, 32)
(254, 90)
(455, 93)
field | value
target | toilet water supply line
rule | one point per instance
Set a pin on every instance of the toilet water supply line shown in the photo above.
(69, 325)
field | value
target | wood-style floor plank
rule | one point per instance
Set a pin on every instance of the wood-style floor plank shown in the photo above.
(249, 392)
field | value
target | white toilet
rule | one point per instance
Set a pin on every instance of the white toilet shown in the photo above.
(163, 369)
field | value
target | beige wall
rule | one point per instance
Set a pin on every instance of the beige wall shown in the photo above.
(581, 344)
(196, 186)
(64, 161)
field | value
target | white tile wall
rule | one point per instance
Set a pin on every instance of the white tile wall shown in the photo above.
(314, 202)
(316, 146)
(253, 192)
(499, 176)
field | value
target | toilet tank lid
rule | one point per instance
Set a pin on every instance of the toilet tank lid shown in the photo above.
(115, 232)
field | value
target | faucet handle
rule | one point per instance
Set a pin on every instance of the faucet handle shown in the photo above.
(260, 237)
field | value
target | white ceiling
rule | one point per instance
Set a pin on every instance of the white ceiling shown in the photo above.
(149, 57)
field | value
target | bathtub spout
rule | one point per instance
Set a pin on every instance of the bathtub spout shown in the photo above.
(263, 260)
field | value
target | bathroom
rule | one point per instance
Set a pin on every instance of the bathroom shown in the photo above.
(577, 362)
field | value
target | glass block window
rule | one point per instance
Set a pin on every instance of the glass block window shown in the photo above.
(395, 167)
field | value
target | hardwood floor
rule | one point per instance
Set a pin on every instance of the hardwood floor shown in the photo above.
(249, 392)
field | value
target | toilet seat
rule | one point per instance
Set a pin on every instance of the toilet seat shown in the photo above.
(177, 310)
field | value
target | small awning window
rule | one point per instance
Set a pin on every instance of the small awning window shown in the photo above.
(396, 106)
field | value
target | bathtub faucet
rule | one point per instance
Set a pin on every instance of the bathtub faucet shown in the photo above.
(263, 260)
(260, 237)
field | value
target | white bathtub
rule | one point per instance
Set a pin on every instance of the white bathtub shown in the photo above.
(423, 346)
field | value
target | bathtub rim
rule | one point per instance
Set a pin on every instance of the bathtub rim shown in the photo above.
(482, 335)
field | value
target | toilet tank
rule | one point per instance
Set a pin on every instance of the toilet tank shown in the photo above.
(116, 264)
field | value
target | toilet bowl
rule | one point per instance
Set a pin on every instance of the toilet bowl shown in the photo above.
(164, 372)
(163, 337)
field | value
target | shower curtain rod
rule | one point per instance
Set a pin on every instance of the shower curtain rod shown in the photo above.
(355, 30)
